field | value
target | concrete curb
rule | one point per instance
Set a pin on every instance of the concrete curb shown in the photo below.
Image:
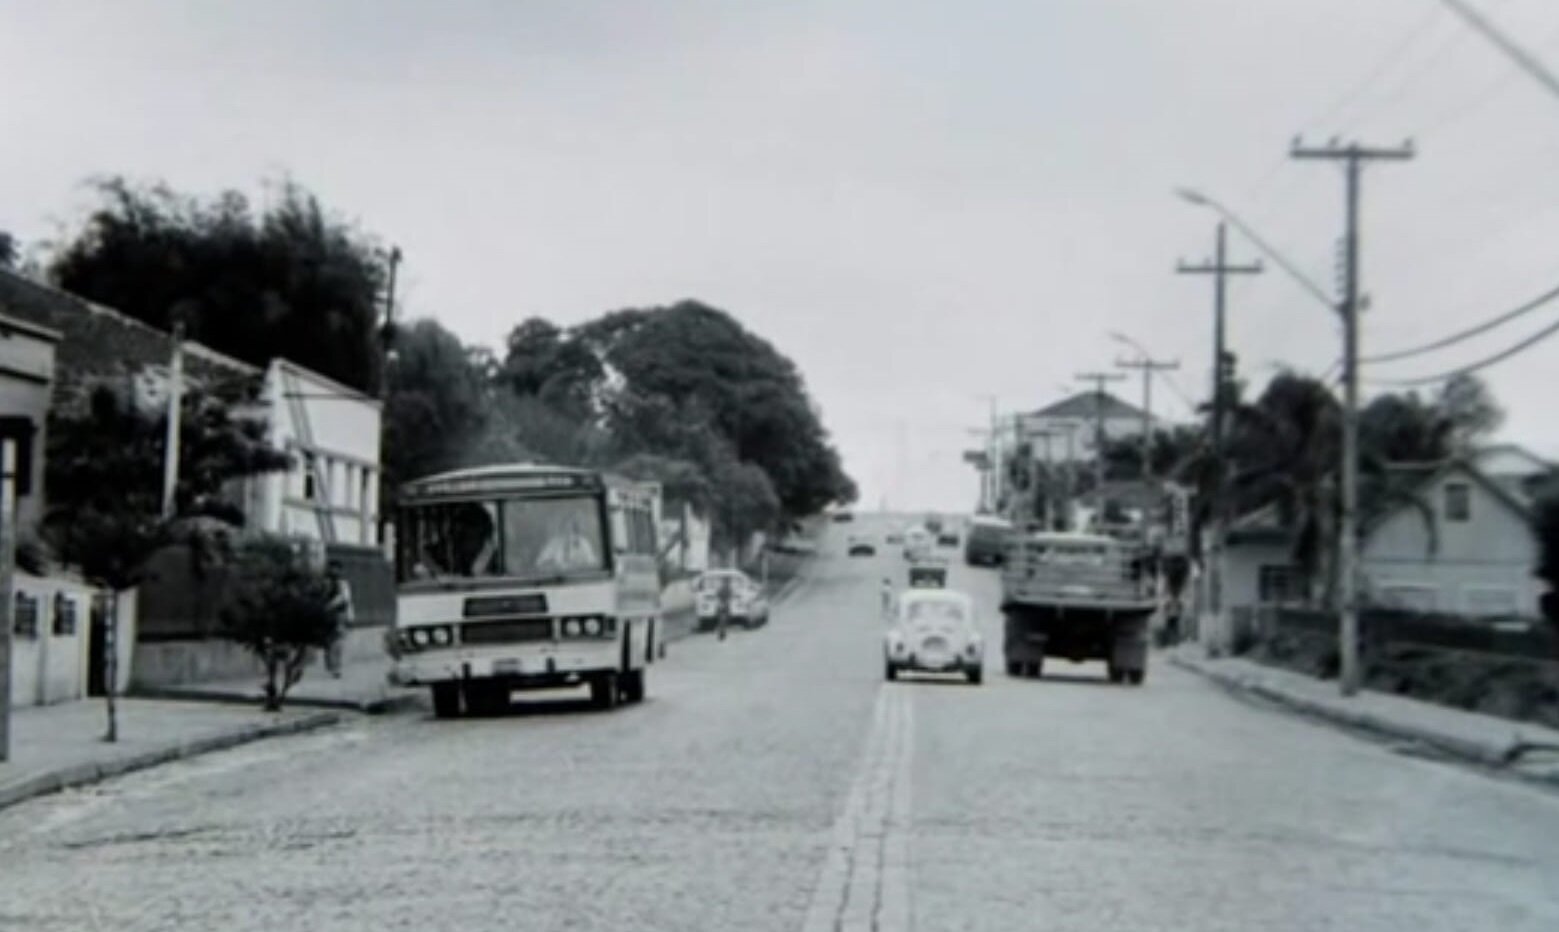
(381, 705)
(1496, 754)
(76, 775)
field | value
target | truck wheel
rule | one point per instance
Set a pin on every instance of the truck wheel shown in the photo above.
(1036, 669)
(603, 691)
(1135, 677)
(446, 700)
(975, 674)
(633, 686)
(889, 671)
(1117, 675)
(1014, 669)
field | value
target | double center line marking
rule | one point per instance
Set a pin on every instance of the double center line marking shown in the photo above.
(865, 879)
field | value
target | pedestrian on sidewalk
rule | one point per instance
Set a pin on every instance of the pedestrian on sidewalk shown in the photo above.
(341, 609)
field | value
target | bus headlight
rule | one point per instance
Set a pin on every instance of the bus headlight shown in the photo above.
(442, 637)
(420, 637)
(593, 627)
(571, 628)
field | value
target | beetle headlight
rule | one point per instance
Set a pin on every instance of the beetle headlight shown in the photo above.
(571, 628)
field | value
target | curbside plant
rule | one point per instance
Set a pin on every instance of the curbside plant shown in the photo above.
(278, 610)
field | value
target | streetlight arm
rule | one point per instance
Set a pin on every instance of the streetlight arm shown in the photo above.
(1267, 249)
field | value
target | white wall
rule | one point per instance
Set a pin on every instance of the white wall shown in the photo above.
(310, 414)
(51, 667)
(1492, 553)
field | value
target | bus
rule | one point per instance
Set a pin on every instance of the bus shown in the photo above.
(525, 576)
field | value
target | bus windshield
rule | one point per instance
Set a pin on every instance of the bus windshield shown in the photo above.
(515, 537)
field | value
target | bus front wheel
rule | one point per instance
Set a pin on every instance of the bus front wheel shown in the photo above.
(603, 691)
(446, 700)
(633, 686)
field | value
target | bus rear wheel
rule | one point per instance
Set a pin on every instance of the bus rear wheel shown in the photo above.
(633, 686)
(446, 700)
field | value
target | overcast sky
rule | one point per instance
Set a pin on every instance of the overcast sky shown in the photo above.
(918, 201)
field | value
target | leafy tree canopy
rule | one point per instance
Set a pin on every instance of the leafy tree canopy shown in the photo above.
(105, 472)
(290, 280)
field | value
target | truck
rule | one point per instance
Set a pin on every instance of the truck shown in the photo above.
(1077, 596)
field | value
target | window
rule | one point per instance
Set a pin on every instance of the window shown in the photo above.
(309, 490)
(1410, 596)
(1489, 601)
(1458, 501)
(64, 615)
(518, 537)
(26, 622)
(1276, 584)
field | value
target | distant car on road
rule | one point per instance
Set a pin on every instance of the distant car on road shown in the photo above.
(928, 574)
(862, 546)
(917, 543)
(947, 537)
(894, 537)
(841, 517)
(749, 606)
(934, 631)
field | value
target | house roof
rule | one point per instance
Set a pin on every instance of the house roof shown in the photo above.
(1086, 405)
(1416, 477)
(98, 342)
(1510, 459)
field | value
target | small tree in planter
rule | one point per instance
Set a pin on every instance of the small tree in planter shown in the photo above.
(279, 610)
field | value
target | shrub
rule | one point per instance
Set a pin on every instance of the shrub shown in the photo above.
(278, 609)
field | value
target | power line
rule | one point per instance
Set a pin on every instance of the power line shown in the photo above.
(1501, 356)
(1524, 59)
(1469, 333)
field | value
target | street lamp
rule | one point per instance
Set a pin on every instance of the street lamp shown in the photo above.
(1192, 196)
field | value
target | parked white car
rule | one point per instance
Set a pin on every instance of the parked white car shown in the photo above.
(749, 606)
(934, 631)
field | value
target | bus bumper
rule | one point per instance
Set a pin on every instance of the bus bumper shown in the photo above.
(562, 662)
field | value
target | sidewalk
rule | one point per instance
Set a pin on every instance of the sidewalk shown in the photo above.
(363, 687)
(1524, 750)
(60, 746)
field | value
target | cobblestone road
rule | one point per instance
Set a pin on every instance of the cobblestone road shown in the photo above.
(775, 782)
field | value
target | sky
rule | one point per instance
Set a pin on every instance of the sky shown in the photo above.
(924, 204)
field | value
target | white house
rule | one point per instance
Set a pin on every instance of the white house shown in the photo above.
(1478, 558)
(331, 493)
(1073, 425)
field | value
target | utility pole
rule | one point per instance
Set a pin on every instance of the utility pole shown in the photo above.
(170, 453)
(1099, 380)
(1148, 365)
(8, 470)
(1353, 156)
(1220, 268)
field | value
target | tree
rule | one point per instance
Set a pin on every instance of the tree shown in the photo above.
(279, 610)
(436, 409)
(104, 479)
(292, 281)
(1470, 408)
(9, 251)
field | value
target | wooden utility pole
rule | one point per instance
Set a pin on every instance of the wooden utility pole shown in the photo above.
(1148, 366)
(1099, 380)
(1220, 269)
(1353, 157)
